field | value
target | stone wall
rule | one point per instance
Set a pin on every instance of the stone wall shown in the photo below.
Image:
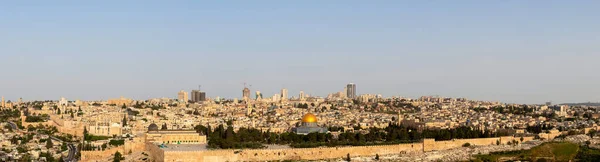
(89, 156)
(431, 144)
(159, 155)
(291, 154)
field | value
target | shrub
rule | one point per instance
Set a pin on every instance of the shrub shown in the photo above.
(466, 145)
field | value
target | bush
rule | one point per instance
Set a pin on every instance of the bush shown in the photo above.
(466, 145)
(116, 142)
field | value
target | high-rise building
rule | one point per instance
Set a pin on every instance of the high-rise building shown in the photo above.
(258, 95)
(3, 102)
(276, 98)
(246, 94)
(284, 94)
(301, 95)
(344, 93)
(198, 96)
(351, 90)
(182, 96)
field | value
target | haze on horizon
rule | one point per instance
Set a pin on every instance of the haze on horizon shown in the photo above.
(509, 51)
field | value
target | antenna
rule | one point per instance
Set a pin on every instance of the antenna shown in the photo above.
(199, 87)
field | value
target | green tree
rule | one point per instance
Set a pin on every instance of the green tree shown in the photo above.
(348, 157)
(124, 120)
(124, 107)
(377, 157)
(118, 157)
(49, 143)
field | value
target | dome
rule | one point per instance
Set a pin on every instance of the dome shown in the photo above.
(153, 127)
(309, 118)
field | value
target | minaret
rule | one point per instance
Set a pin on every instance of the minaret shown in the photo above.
(399, 118)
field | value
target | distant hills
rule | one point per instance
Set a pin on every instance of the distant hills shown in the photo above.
(583, 104)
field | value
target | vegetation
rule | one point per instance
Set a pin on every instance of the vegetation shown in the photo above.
(466, 145)
(558, 151)
(226, 138)
(38, 118)
(49, 143)
(116, 142)
(6, 114)
(588, 154)
(118, 157)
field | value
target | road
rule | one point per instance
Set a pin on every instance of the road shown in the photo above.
(13, 125)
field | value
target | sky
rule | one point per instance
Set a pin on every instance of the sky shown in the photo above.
(509, 51)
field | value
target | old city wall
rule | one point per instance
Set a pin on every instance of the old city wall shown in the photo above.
(124, 149)
(291, 154)
(157, 154)
(431, 144)
(56, 122)
(87, 156)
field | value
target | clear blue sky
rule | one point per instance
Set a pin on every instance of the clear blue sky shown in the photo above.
(511, 51)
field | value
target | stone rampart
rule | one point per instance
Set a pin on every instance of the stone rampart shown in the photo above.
(159, 155)
(291, 154)
(431, 144)
(89, 156)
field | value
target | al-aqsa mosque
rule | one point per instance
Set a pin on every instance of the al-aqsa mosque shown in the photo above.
(309, 125)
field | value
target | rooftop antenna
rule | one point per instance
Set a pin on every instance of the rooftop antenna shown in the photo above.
(199, 87)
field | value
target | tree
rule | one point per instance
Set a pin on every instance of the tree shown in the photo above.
(348, 157)
(49, 143)
(377, 157)
(466, 145)
(72, 115)
(118, 157)
(124, 120)
(521, 139)
(124, 107)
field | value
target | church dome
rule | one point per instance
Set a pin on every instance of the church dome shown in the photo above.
(153, 127)
(309, 118)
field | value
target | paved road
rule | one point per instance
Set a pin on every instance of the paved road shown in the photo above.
(13, 125)
(72, 152)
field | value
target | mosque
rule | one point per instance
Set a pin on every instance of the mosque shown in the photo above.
(309, 125)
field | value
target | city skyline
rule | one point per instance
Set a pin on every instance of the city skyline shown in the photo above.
(514, 52)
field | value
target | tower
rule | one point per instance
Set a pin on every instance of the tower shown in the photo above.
(3, 102)
(182, 96)
(400, 118)
(351, 90)
(301, 95)
(246, 93)
(284, 94)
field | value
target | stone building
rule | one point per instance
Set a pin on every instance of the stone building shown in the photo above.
(309, 125)
(161, 136)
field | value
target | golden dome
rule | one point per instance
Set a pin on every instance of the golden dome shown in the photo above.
(309, 118)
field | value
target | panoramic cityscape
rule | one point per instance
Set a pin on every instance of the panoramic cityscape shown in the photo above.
(201, 81)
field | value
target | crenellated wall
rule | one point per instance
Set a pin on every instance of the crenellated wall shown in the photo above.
(431, 144)
(160, 155)
(88, 156)
(291, 154)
